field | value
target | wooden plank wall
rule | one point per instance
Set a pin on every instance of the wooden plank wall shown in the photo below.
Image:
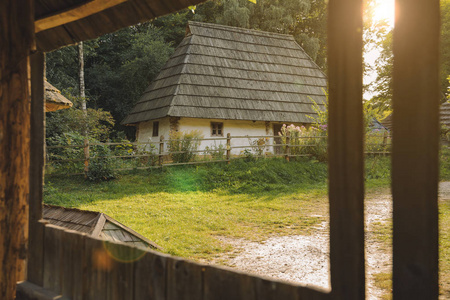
(77, 266)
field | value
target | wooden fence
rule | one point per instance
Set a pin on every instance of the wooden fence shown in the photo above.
(78, 267)
(72, 160)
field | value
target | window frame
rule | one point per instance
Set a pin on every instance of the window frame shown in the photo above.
(216, 127)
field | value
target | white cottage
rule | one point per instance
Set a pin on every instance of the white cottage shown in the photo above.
(224, 80)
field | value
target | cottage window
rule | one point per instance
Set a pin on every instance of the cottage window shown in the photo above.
(216, 129)
(155, 128)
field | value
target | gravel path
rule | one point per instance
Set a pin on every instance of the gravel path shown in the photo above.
(305, 259)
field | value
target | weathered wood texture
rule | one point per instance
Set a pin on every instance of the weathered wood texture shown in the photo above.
(37, 154)
(60, 23)
(77, 266)
(16, 40)
(415, 149)
(346, 178)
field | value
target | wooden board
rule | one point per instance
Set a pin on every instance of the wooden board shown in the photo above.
(53, 260)
(345, 151)
(415, 150)
(36, 230)
(17, 41)
(222, 284)
(73, 264)
(184, 280)
(97, 266)
(150, 276)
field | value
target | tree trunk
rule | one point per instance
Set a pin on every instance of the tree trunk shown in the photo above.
(83, 104)
(16, 40)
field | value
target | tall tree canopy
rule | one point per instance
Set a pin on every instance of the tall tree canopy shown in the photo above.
(118, 66)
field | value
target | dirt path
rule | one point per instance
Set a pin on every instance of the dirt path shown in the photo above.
(305, 259)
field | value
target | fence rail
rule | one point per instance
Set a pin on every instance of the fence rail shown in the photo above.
(71, 159)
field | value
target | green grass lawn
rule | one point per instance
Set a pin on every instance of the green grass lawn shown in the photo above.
(186, 209)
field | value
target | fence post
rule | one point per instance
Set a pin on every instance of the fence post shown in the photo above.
(161, 150)
(288, 149)
(228, 147)
(86, 156)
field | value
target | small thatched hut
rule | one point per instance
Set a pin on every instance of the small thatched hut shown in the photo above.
(53, 98)
(224, 79)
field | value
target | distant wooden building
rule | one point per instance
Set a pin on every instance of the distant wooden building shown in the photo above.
(444, 117)
(224, 79)
(95, 224)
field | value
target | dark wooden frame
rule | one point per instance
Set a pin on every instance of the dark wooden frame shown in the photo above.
(216, 126)
(415, 175)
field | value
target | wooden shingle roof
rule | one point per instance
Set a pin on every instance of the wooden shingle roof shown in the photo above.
(95, 224)
(223, 72)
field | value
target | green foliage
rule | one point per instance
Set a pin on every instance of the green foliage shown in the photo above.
(184, 144)
(305, 140)
(73, 120)
(118, 68)
(216, 152)
(101, 166)
(257, 146)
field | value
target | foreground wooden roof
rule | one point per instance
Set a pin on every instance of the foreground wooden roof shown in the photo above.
(60, 23)
(223, 72)
(95, 224)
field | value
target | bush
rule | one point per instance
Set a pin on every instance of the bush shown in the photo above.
(216, 152)
(101, 166)
(305, 140)
(183, 145)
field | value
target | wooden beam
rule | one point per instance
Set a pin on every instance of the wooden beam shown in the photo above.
(73, 14)
(17, 40)
(36, 229)
(346, 164)
(415, 149)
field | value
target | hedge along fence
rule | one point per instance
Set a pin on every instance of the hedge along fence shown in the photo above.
(123, 156)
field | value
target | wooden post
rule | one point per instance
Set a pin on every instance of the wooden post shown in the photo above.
(37, 156)
(346, 164)
(228, 147)
(161, 151)
(17, 41)
(415, 162)
(287, 151)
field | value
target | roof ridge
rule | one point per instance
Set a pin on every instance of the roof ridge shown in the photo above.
(242, 30)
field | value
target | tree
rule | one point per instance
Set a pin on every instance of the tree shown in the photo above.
(118, 68)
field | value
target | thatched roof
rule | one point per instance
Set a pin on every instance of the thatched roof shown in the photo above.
(60, 23)
(95, 224)
(53, 98)
(223, 72)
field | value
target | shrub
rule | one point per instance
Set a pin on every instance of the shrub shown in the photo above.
(305, 140)
(216, 152)
(101, 166)
(183, 145)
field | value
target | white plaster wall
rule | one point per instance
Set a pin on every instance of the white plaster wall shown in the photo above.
(234, 127)
(146, 131)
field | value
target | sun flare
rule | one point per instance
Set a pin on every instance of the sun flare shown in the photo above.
(385, 10)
